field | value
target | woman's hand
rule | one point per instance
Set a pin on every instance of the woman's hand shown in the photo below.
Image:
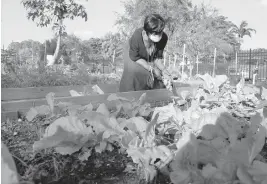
(157, 73)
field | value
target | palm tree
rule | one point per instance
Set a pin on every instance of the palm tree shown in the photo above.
(242, 31)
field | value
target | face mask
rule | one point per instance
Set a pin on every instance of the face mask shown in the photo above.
(155, 38)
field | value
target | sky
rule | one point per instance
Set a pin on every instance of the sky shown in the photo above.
(101, 17)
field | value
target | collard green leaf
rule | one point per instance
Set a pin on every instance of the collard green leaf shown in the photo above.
(258, 143)
(35, 111)
(65, 142)
(102, 108)
(67, 135)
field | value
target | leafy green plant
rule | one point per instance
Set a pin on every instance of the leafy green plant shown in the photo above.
(209, 141)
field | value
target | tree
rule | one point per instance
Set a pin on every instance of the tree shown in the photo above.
(75, 48)
(199, 27)
(15, 46)
(54, 12)
(242, 31)
(111, 45)
(25, 50)
(173, 11)
(95, 44)
(206, 30)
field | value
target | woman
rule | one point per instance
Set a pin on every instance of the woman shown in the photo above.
(143, 54)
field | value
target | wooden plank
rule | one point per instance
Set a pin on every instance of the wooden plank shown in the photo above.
(25, 105)
(60, 91)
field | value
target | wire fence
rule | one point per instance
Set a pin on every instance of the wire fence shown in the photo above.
(245, 62)
(249, 62)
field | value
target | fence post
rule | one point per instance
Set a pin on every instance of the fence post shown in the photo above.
(214, 63)
(249, 64)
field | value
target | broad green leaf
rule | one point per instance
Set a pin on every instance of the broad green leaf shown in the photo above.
(259, 141)
(130, 107)
(180, 176)
(208, 171)
(65, 142)
(8, 168)
(109, 133)
(244, 176)
(88, 107)
(138, 124)
(35, 111)
(63, 105)
(226, 171)
(127, 138)
(219, 143)
(67, 135)
(101, 146)
(187, 147)
(70, 124)
(258, 168)
(143, 110)
(102, 108)
(213, 83)
(73, 109)
(31, 114)
(167, 112)
(99, 121)
(205, 119)
(150, 130)
(255, 122)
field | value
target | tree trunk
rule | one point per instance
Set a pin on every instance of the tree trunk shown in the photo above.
(56, 54)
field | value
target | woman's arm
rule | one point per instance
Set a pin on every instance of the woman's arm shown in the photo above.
(144, 64)
(134, 51)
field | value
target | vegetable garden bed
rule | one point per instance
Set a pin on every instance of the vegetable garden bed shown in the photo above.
(210, 134)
